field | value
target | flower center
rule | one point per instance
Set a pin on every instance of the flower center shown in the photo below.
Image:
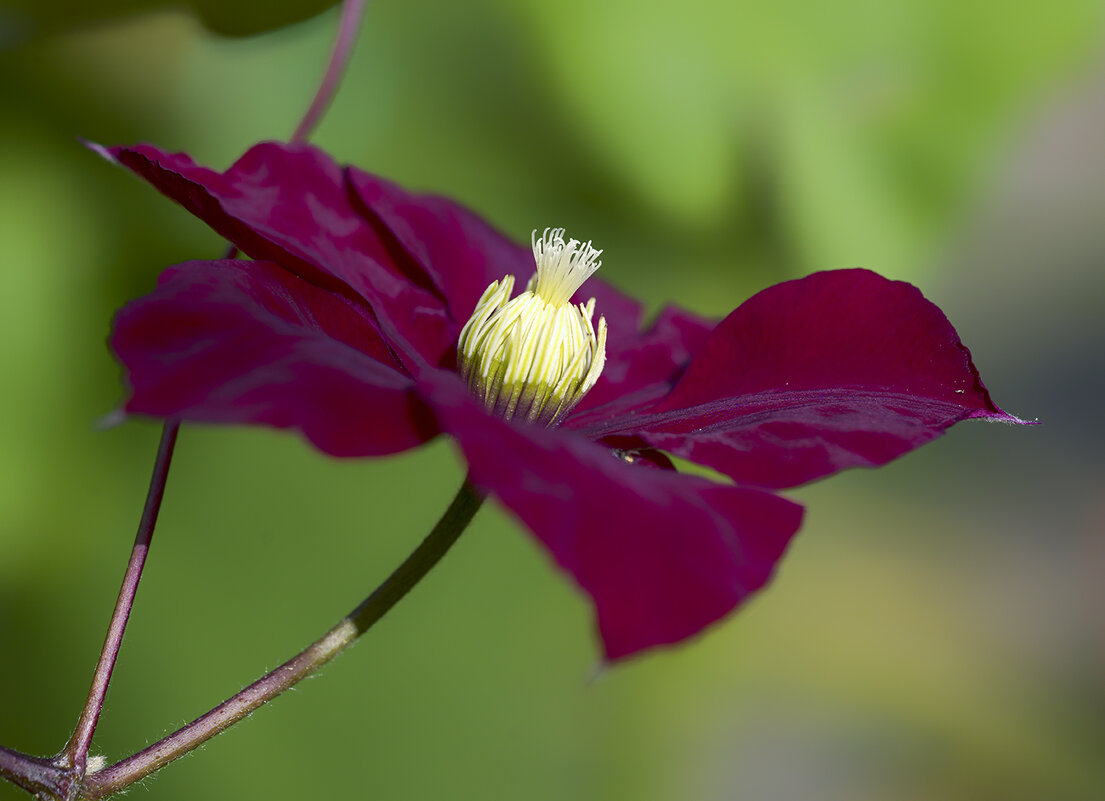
(534, 357)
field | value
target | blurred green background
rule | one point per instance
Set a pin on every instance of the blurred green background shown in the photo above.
(937, 632)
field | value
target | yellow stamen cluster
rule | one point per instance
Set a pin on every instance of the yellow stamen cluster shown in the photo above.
(533, 358)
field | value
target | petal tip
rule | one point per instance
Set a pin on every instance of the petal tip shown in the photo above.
(1000, 416)
(102, 151)
(599, 671)
(113, 419)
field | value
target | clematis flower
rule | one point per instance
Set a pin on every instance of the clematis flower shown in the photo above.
(345, 323)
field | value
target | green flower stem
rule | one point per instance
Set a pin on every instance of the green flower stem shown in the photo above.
(128, 771)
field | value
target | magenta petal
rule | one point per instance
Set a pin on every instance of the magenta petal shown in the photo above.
(661, 554)
(622, 314)
(645, 368)
(463, 254)
(836, 370)
(292, 205)
(460, 252)
(248, 342)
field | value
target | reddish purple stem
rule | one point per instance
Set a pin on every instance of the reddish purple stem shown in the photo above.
(75, 754)
(74, 757)
(34, 775)
(339, 59)
(437, 543)
(65, 775)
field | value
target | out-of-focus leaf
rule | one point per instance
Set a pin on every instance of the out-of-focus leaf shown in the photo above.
(243, 18)
(228, 17)
(873, 120)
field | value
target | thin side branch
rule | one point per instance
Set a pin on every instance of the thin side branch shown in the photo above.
(75, 754)
(63, 777)
(339, 58)
(128, 771)
(36, 776)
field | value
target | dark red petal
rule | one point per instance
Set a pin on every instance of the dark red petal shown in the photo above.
(248, 342)
(463, 254)
(292, 205)
(622, 314)
(460, 252)
(662, 555)
(645, 368)
(839, 369)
